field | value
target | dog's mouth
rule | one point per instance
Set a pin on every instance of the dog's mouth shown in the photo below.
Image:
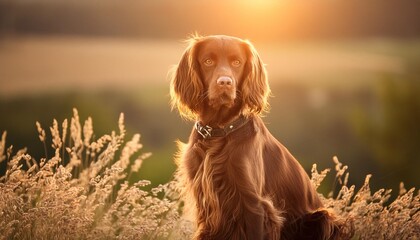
(223, 99)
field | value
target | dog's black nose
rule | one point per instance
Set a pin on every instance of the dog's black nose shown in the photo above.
(224, 81)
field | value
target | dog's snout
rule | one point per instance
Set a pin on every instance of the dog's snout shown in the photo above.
(222, 81)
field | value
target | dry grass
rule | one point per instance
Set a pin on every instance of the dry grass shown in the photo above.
(82, 192)
(86, 195)
(371, 213)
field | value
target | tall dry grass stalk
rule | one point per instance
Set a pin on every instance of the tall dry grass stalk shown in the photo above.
(373, 217)
(82, 192)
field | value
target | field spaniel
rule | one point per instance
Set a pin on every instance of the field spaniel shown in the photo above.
(242, 182)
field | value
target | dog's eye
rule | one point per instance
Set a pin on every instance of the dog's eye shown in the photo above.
(236, 63)
(208, 62)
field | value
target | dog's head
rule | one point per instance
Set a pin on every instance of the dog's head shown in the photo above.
(218, 72)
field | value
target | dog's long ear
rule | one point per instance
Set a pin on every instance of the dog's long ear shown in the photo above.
(186, 88)
(255, 89)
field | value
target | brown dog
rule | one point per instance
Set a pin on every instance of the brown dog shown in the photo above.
(243, 182)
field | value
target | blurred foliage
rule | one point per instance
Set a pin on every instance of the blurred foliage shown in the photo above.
(391, 127)
(270, 20)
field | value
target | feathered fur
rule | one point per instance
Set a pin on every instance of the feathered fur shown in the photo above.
(245, 185)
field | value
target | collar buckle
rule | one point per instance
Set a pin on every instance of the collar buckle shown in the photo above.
(204, 131)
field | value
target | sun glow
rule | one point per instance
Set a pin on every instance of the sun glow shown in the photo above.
(259, 5)
(261, 17)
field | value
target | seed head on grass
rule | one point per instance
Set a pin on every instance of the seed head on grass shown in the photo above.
(372, 216)
(83, 192)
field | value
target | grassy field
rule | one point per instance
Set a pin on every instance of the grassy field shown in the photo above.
(82, 191)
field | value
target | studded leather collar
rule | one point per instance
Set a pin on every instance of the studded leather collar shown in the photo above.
(208, 132)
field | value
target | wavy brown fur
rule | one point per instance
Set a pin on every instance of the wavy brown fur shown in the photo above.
(245, 185)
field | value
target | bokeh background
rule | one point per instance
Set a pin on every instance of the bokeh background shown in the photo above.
(345, 75)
